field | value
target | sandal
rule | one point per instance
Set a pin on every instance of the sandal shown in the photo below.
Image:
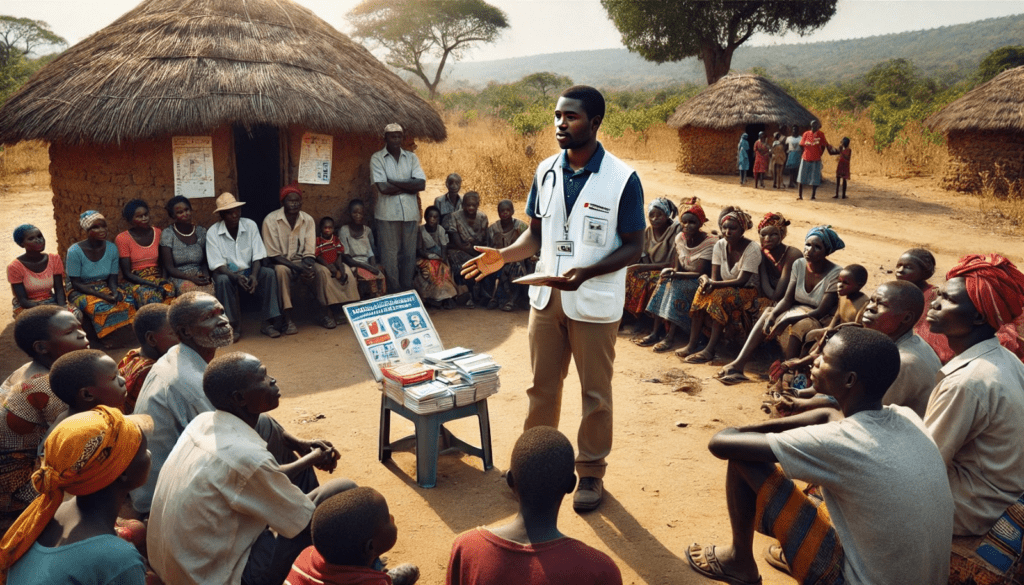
(698, 358)
(776, 557)
(663, 345)
(270, 331)
(290, 328)
(703, 560)
(508, 307)
(327, 322)
(648, 341)
(731, 378)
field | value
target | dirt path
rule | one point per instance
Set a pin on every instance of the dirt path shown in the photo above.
(664, 489)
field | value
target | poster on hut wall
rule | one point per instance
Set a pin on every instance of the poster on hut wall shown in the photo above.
(392, 330)
(193, 166)
(315, 159)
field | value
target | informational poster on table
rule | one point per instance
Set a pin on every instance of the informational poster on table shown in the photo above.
(193, 166)
(315, 159)
(391, 330)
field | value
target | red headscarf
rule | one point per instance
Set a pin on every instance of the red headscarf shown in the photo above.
(292, 188)
(996, 287)
(693, 207)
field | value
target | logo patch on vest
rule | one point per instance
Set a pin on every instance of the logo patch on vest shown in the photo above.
(597, 207)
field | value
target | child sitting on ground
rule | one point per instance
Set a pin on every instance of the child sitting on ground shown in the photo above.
(531, 550)
(467, 229)
(350, 532)
(502, 234)
(434, 280)
(843, 166)
(778, 160)
(451, 201)
(359, 244)
(916, 266)
(155, 336)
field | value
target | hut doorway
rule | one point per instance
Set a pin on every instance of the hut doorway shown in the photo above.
(752, 131)
(258, 167)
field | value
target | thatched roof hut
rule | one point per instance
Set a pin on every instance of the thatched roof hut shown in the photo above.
(985, 134)
(252, 75)
(711, 122)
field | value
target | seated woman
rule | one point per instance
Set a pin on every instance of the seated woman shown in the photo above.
(359, 244)
(97, 456)
(501, 234)
(678, 284)
(732, 294)
(810, 301)
(183, 249)
(139, 249)
(27, 406)
(777, 264)
(92, 267)
(467, 229)
(659, 251)
(36, 278)
(434, 279)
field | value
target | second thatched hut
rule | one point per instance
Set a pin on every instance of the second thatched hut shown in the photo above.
(711, 122)
(985, 135)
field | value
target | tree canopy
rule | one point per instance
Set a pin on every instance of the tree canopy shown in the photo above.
(711, 30)
(19, 38)
(1000, 60)
(413, 31)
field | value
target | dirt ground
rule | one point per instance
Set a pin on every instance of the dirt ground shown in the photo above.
(664, 490)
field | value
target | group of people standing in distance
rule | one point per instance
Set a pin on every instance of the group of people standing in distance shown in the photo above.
(793, 160)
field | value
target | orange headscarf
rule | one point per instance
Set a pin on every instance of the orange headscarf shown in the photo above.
(996, 287)
(84, 454)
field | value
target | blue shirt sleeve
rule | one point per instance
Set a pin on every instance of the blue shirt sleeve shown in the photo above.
(631, 207)
(531, 200)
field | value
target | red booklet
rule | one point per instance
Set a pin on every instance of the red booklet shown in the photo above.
(407, 374)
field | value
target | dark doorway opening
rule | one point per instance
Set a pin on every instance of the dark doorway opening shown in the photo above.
(258, 164)
(752, 131)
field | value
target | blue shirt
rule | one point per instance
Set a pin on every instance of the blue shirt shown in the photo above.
(631, 204)
(78, 264)
(100, 560)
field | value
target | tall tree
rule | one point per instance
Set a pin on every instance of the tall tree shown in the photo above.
(546, 81)
(671, 30)
(414, 30)
(19, 38)
(1000, 60)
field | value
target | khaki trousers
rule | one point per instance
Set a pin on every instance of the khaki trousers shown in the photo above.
(328, 290)
(554, 339)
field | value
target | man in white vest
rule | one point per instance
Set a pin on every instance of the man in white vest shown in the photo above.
(587, 221)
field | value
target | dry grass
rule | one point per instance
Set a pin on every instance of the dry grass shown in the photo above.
(25, 163)
(658, 143)
(913, 153)
(1002, 198)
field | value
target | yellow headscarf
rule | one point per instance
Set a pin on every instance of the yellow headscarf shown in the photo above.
(84, 454)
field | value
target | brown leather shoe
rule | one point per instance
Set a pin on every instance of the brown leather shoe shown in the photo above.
(588, 495)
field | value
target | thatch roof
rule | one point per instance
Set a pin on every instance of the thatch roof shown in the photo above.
(189, 66)
(996, 105)
(740, 99)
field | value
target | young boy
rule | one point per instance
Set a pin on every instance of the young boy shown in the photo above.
(504, 233)
(155, 336)
(329, 251)
(350, 532)
(530, 550)
(451, 201)
(843, 167)
(85, 379)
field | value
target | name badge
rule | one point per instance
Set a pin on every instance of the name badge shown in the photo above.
(563, 248)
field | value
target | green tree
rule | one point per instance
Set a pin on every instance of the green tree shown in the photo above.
(412, 31)
(19, 38)
(671, 30)
(1000, 60)
(546, 81)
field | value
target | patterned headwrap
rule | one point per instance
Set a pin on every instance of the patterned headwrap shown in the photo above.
(665, 205)
(776, 220)
(996, 288)
(21, 231)
(828, 236)
(88, 218)
(84, 454)
(735, 213)
(693, 207)
(292, 188)
(925, 260)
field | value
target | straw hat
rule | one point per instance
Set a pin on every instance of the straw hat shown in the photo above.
(227, 201)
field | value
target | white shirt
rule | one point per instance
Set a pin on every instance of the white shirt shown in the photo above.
(918, 368)
(226, 489)
(235, 253)
(384, 167)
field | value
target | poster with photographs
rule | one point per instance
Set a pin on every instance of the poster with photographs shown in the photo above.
(395, 329)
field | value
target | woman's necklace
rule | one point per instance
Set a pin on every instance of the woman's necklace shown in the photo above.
(185, 235)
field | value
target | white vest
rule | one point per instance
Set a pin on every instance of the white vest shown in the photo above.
(593, 231)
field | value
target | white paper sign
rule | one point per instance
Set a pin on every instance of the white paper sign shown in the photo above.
(315, 159)
(193, 166)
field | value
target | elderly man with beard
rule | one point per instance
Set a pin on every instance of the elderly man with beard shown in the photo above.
(173, 392)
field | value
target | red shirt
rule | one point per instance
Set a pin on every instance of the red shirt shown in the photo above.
(311, 569)
(814, 144)
(329, 249)
(481, 558)
(134, 368)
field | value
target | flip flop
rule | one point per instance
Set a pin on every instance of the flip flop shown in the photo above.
(698, 358)
(713, 568)
(732, 379)
(662, 346)
(647, 341)
(776, 557)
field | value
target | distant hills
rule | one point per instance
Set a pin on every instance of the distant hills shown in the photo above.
(949, 52)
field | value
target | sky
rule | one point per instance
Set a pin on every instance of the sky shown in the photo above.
(553, 26)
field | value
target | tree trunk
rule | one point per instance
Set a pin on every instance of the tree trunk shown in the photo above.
(717, 61)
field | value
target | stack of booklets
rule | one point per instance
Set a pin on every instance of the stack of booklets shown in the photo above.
(481, 371)
(443, 380)
(429, 397)
(396, 378)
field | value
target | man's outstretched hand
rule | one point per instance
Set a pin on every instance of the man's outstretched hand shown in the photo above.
(489, 261)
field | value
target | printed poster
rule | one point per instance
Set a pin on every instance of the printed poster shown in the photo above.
(193, 166)
(391, 330)
(315, 159)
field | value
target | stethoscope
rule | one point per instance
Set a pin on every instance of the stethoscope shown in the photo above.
(551, 191)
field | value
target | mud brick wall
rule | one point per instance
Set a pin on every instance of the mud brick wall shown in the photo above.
(706, 151)
(999, 156)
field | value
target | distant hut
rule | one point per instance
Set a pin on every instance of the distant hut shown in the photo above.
(985, 134)
(253, 77)
(711, 122)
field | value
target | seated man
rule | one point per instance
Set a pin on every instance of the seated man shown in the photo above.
(889, 509)
(290, 236)
(211, 511)
(530, 550)
(976, 412)
(236, 256)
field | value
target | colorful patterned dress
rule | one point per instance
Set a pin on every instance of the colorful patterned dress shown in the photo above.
(145, 261)
(106, 318)
(673, 297)
(434, 280)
